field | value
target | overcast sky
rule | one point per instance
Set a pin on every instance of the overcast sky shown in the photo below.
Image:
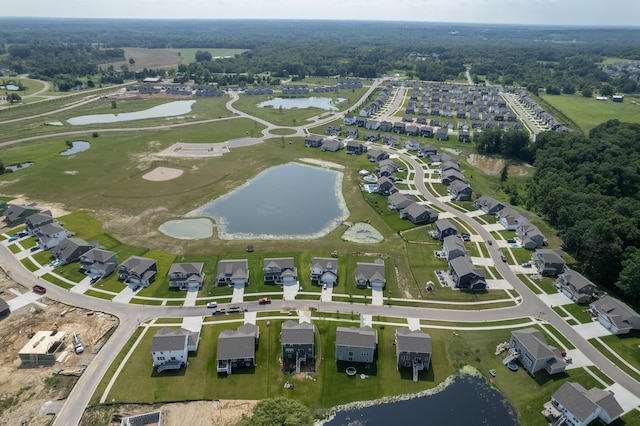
(541, 12)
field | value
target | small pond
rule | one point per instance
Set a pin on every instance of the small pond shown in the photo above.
(188, 229)
(291, 201)
(16, 167)
(76, 147)
(165, 110)
(483, 405)
(310, 102)
(11, 87)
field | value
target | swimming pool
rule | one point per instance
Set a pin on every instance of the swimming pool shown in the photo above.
(371, 178)
(371, 188)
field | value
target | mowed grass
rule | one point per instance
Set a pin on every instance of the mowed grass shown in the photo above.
(188, 55)
(587, 113)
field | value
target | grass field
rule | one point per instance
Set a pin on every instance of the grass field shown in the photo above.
(587, 113)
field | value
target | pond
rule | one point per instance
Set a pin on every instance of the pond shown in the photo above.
(165, 110)
(290, 201)
(11, 87)
(310, 102)
(188, 229)
(76, 147)
(469, 400)
(16, 167)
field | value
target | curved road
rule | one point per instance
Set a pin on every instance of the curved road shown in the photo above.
(131, 316)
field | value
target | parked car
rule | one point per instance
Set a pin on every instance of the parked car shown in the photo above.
(504, 258)
(489, 242)
(212, 305)
(12, 239)
(22, 234)
(34, 248)
(136, 288)
(234, 309)
(526, 265)
(39, 289)
(264, 300)
(95, 279)
(220, 311)
(77, 344)
(324, 286)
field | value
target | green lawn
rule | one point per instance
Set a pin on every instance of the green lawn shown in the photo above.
(578, 312)
(613, 358)
(99, 294)
(626, 345)
(57, 281)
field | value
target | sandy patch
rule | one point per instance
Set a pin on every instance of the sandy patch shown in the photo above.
(323, 163)
(71, 172)
(56, 209)
(162, 173)
(494, 165)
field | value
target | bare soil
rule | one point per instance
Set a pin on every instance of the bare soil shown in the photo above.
(493, 166)
(162, 173)
(146, 58)
(32, 393)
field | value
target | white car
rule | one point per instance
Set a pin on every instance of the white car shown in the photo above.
(212, 305)
(324, 287)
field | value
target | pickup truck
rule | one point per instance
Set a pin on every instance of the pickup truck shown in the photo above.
(39, 289)
(264, 300)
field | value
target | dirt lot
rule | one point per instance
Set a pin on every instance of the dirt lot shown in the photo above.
(29, 393)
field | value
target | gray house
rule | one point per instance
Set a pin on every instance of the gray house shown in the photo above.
(324, 270)
(356, 148)
(413, 350)
(331, 145)
(280, 270)
(460, 191)
(615, 316)
(186, 276)
(465, 276)
(575, 286)
(70, 249)
(298, 344)
(376, 155)
(138, 270)
(453, 247)
(313, 141)
(233, 272)
(398, 201)
(98, 262)
(548, 262)
(50, 235)
(443, 228)
(573, 404)
(37, 220)
(530, 348)
(16, 214)
(356, 344)
(530, 236)
(237, 348)
(417, 213)
(370, 275)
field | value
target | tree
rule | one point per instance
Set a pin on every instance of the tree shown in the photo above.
(203, 55)
(504, 174)
(628, 281)
(606, 89)
(132, 61)
(587, 92)
(279, 411)
(114, 105)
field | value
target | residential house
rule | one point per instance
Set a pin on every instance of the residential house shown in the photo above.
(351, 133)
(398, 201)
(233, 273)
(387, 167)
(442, 134)
(331, 145)
(37, 220)
(333, 131)
(530, 348)
(376, 155)
(98, 262)
(186, 276)
(451, 175)
(460, 191)
(16, 214)
(575, 286)
(3, 207)
(573, 405)
(386, 126)
(426, 131)
(510, 219)
(237, 348)
(530, 236)
(70, 249)
(50, 235)
(373, 125)
(465, 276)
(361, 121)
(349, 119)
(391, 140)
(453, 247)
(356, 148)
(411, 145)
(488, 205)
(427, 150)
(370, 275)
(298, 344)
(548, 262)
(412, 130)
(138, 270)
(324, 270)
(313, 141)
(464, 136)
(372, 136)
(5, 309)
(280, 270)
(443, 228)
(356, 344)
(413, 350)
(170, 348)
(615, 316)
(417, 213)
(386, 186)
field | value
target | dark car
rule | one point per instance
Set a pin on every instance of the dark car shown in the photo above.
(95, 279)
(39, 289)
(35, 248)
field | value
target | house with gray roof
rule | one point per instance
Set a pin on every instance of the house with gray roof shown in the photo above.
(37, 220)
(398, 201)
(386, 186)
(530, 348)
(237, 348)
(355, 147)
(170, 348)
(70, 249)
(233, 273)
(331, 145)
(376, 155)
(17, 214)
(615, 316)
(510, 219)
(451, 175)
(548, 262)
(442, 134)
(530, 236)
(465, 276)
(575, 286)
(453, 247)
(98, 262)
(324, 270)
(443, 228)
(371, 275)
(280, 270)
(5, 310)
(356, 344)
(417, 213)
(186, 276)
(413, 350)
(137, 270)
(373, 125)
(50, 235)
(298, 345)
(573, 405)
(488, 205)
(460, 191)
(313, 141)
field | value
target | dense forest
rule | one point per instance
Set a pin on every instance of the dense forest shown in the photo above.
(556, 58)
(589, 189)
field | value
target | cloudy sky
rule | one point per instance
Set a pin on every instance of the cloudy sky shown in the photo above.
(549, 12)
